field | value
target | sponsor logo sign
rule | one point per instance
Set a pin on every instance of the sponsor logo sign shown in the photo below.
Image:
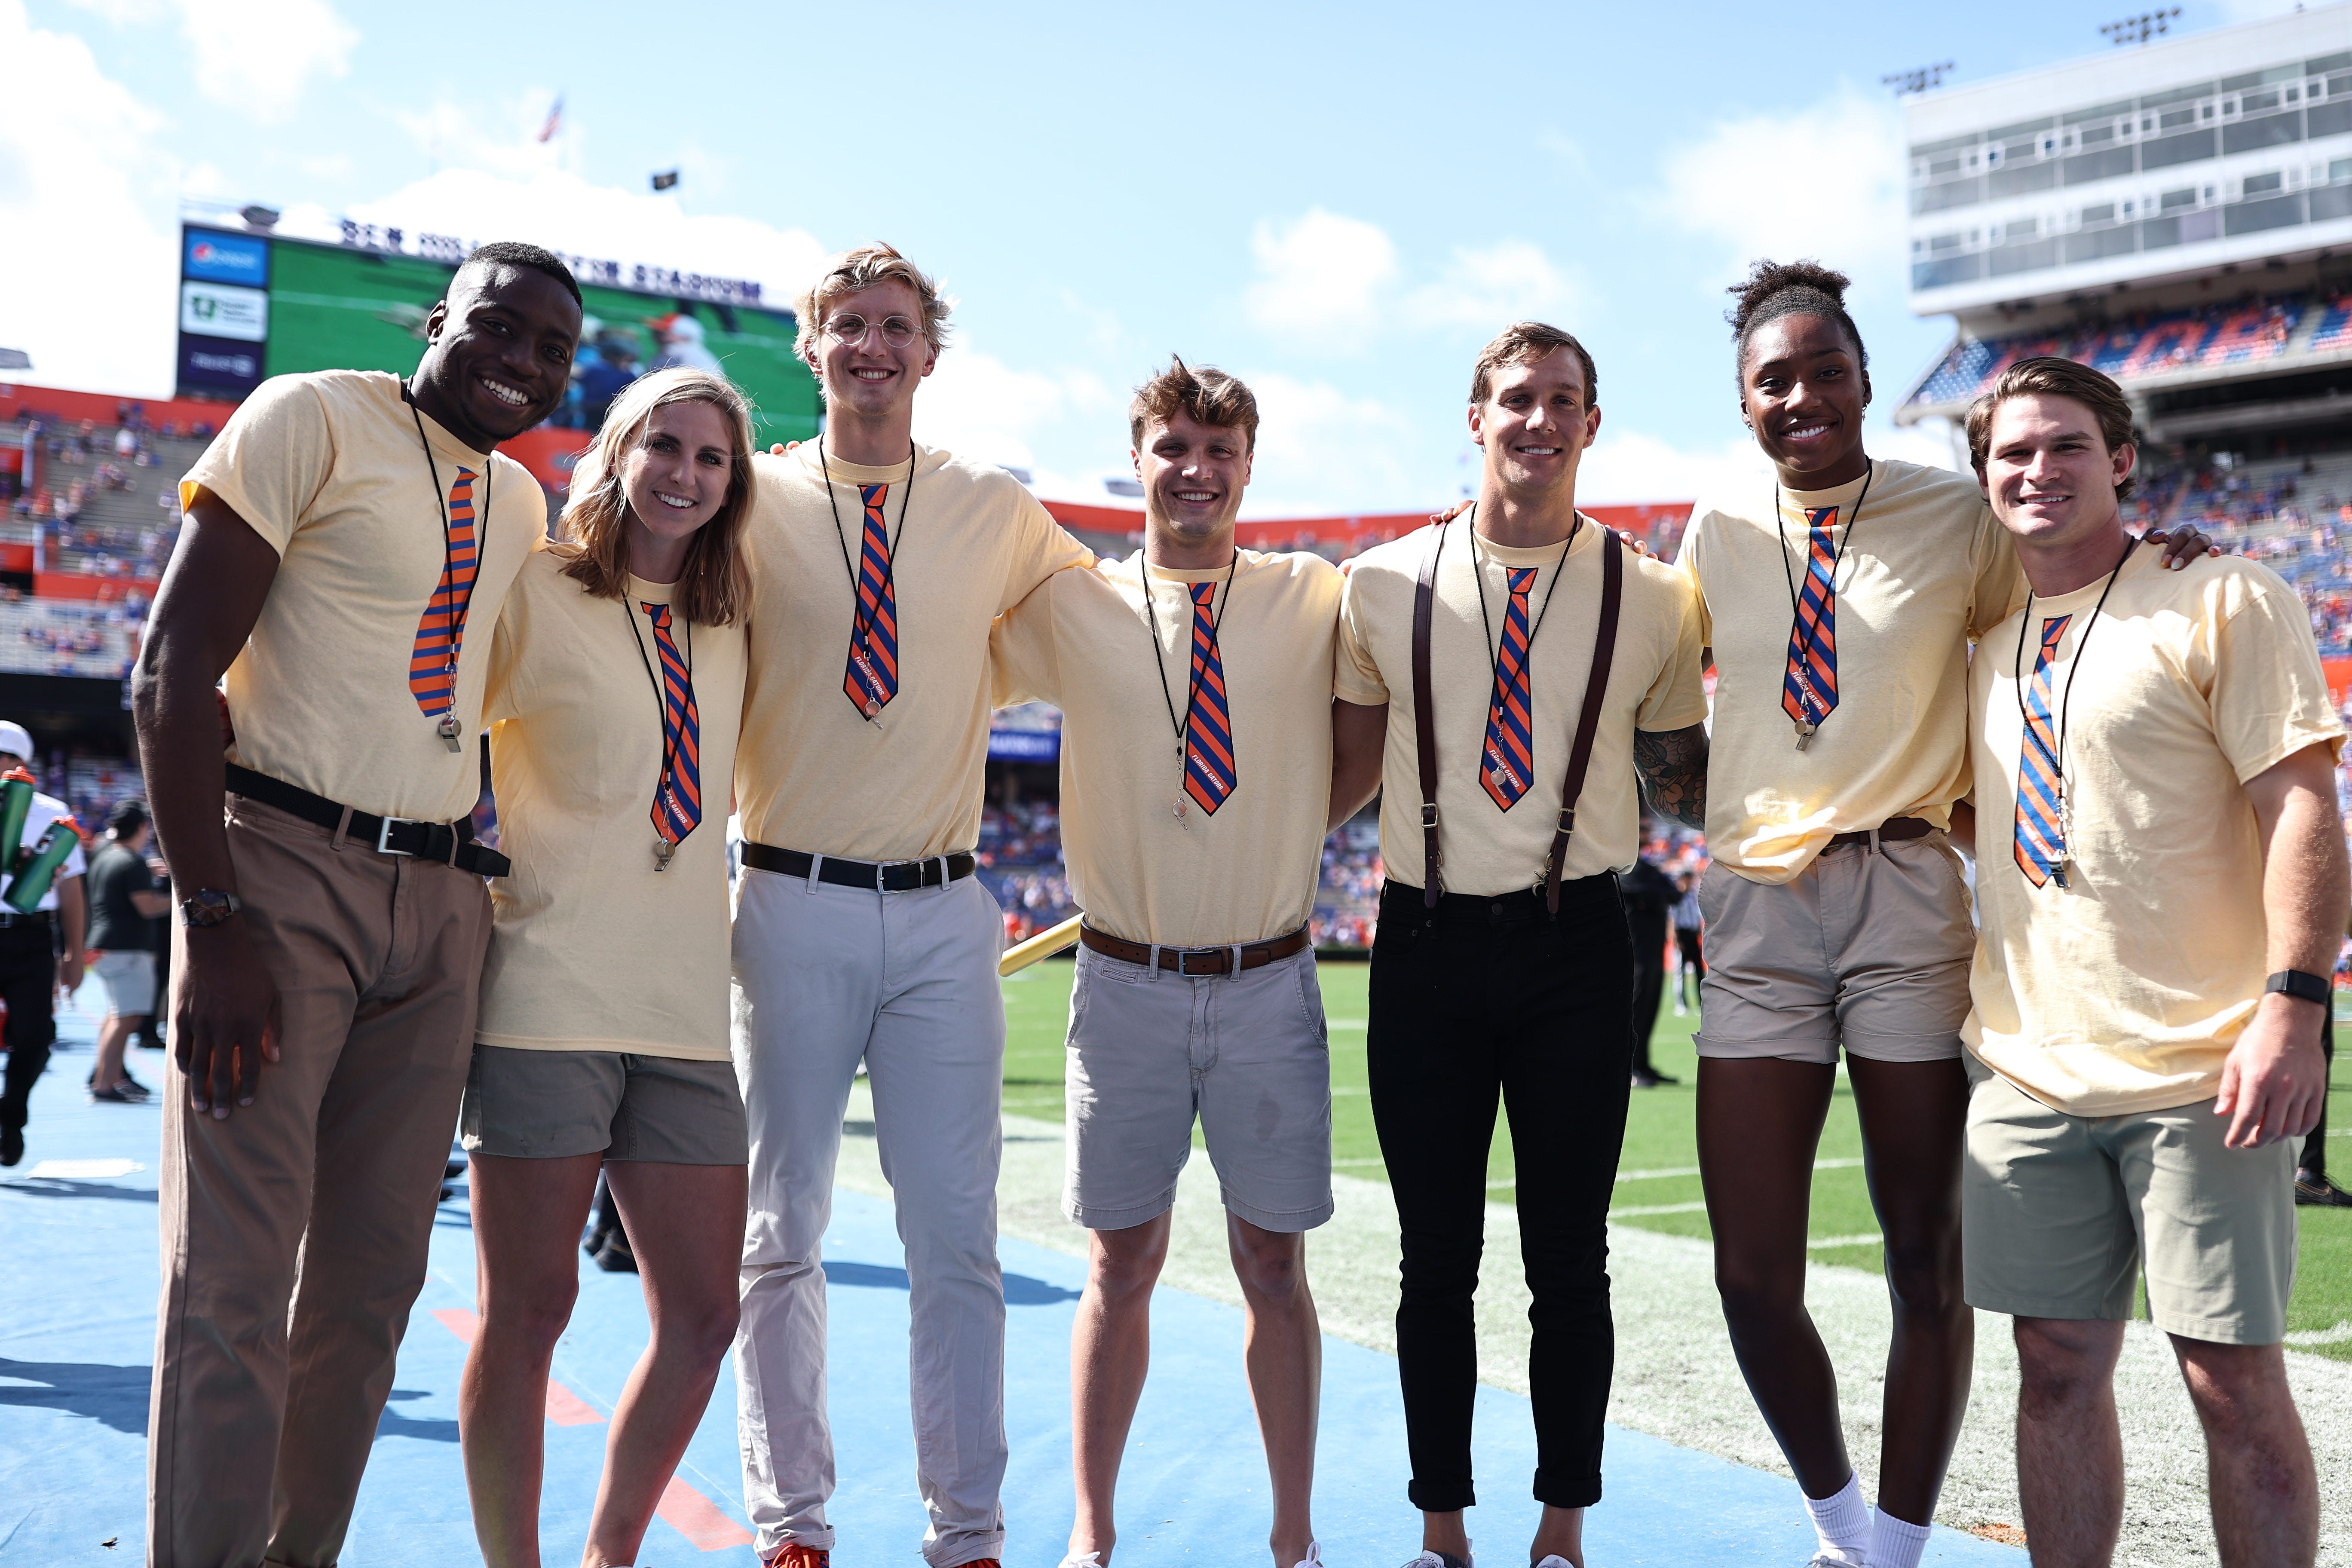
(208, 309)
(213, 257)
(217, 365)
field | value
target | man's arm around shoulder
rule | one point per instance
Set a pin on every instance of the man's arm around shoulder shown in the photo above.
(225, 1018)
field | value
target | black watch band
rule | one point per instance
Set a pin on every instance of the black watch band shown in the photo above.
(2301, 985)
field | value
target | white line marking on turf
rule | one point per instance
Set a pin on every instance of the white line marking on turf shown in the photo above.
(1638, 1210)
(1872, 1239)
(1665, 1170)
(2334, 1336)
(84, 1170)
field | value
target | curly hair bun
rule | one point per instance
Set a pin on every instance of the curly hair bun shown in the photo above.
(1777, 289)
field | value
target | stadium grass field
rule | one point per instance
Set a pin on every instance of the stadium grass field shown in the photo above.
(1658, 1185)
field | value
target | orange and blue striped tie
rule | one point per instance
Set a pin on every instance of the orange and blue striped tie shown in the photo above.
(1509, 759)
(2041, 827)
(1209, 772)
(441, 635)
(873, 678)
(677, 798)
(1809, 689)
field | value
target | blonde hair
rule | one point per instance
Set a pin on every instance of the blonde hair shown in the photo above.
(863, 268)
(714, 586)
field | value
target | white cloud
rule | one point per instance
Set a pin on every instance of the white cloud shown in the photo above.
(87, 287)
(1485, 289)
(257, 57)
(1320, 274)
(499, 137)
(1824, 182)
(260, 55)
(1321, 449)
(978, 407)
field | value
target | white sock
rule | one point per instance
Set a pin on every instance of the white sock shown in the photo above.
(1895, 1543)
(1842, 1520)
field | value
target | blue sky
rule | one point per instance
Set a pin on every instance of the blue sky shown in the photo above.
(1338, 203)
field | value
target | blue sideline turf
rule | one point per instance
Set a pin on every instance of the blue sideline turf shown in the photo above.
(78, 1279)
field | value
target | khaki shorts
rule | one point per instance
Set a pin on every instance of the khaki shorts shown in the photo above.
(129, 982)
(1870, 949)
(1247, 1054)
(550, 1105)
(2058, 1212)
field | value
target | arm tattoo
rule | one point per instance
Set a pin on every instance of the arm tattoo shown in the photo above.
(1672, 768)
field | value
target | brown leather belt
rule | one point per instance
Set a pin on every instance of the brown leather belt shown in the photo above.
(1196, 960)
(1895, 827)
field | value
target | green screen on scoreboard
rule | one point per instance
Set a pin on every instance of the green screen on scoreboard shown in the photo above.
(332, 308)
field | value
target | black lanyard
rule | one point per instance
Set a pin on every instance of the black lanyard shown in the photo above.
(1479, 578)
(1800, 633)
(448, 729)
(861, 620)
(2065, 699)
(1183, 727)
(661, 710)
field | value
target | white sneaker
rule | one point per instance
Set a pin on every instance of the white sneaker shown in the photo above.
(1314, 1558)
(1430, 1559)
(1083, 1560)
(1554, 1560)
(1830, 1557)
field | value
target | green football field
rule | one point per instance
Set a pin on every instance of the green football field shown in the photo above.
(1657, 1184)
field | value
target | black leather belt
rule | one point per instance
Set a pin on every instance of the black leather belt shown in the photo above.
(452, 844)
(883, 877)
(1195, 960)
(42, 918)
(1895, 829)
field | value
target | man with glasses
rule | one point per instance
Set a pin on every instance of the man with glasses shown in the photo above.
(861, 933)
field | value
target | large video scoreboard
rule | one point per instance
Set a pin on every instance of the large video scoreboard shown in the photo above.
(254, 305)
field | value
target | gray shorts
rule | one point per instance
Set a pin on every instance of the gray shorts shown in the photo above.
(1867, 950)
(550, 1105)
(129, 982)
(1247, 1054)
(2060, 1216)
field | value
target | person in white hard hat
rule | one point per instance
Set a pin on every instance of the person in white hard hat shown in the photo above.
(34, 964)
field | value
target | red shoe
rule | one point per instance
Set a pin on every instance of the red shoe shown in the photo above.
(794, 1554)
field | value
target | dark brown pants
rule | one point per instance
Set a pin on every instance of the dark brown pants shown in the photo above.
(295, 1231)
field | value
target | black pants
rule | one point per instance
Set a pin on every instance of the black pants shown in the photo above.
(1687, 948)
(29, 978)
(1476, 998)
(2314, 1148)
(1649, 930)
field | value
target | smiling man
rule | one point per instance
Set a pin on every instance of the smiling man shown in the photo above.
(350, 539)
(1194, 681)
(1512, 678)
(860, 931)
(2161, 877)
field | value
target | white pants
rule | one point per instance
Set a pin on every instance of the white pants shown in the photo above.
(824, 976)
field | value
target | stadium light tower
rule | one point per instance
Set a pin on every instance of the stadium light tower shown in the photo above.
(1918, 80)
(2139, 29)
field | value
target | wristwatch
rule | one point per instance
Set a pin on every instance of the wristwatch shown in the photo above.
(2299, 983)
(208, 906)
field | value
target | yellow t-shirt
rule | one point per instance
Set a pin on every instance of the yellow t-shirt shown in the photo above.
(1654, 684)
(1927, 570)
(327, 467)
(594, 949)
(1247, 871)
(814, 774)
(2122, 991)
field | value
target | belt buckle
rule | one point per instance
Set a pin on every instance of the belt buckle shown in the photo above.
(384, 836)
(1184, 957)
(882, 869)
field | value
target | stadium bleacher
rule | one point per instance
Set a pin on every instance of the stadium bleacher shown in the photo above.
(2243, 333)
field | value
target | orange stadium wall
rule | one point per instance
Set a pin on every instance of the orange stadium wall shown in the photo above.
(2339, 681)
(100, 407)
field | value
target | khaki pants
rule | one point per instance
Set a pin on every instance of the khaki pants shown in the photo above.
(295, 1231)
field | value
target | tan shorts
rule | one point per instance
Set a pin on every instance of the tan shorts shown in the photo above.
(550, 1105)
(2058, 1212)
(1148, 1050)
(1869, 950)
(129, 979)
